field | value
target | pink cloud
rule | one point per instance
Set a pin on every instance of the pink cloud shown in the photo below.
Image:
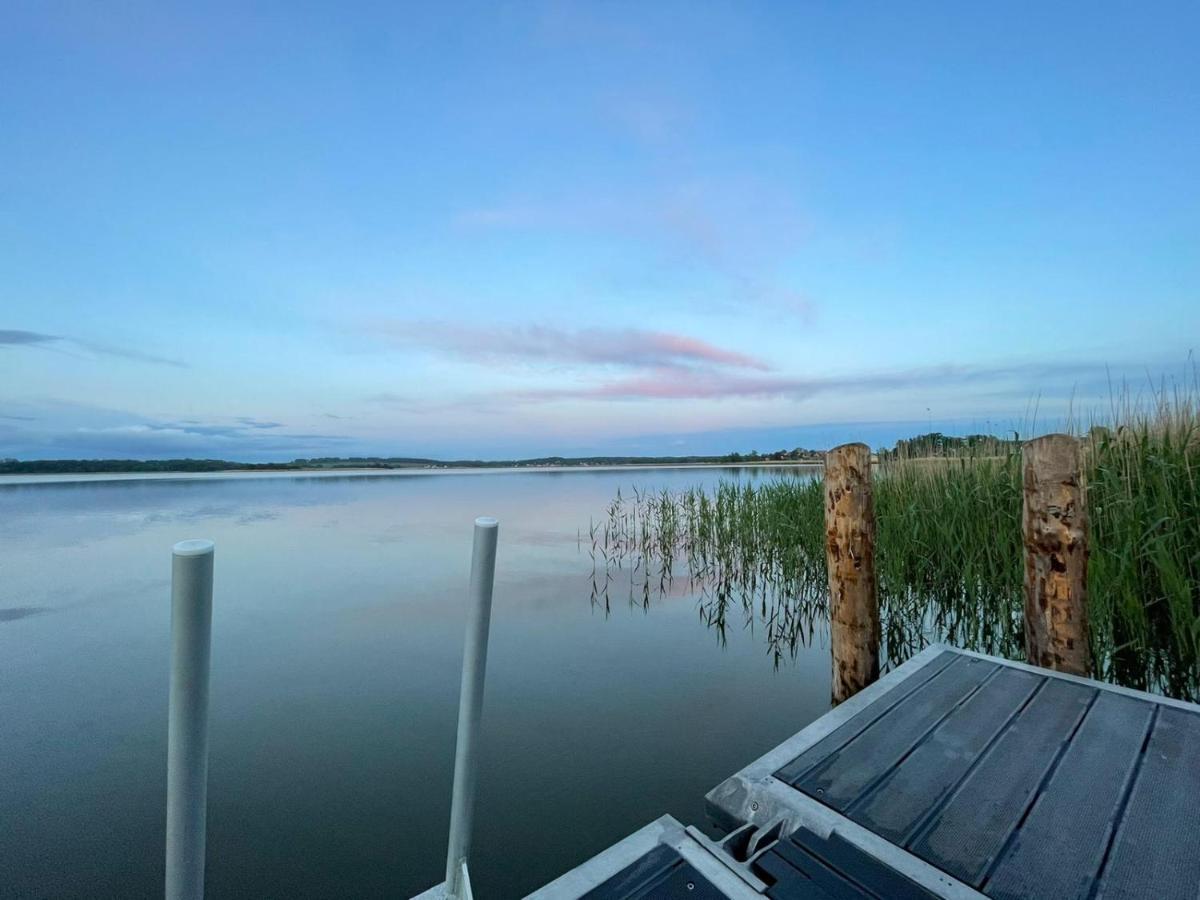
(676, 384)
(626, 347)
(711, 384)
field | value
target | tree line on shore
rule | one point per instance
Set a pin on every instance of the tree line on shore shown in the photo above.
(932, 444)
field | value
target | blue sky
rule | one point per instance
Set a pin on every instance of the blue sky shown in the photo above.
(265, 231)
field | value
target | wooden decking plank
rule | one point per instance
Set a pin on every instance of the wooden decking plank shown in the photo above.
(1154, 850)
(848, 772)
(1060, 846)
(966, 835)
(843, 735)
(909, 791)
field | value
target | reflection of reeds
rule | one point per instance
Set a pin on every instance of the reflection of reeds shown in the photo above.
(948, 551)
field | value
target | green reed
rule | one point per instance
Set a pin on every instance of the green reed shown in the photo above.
(948, 551)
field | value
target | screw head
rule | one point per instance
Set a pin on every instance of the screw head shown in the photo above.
(820, 791)
(754, 805)
(691, 885)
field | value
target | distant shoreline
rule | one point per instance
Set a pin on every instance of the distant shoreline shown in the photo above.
(32, 478)
(361, 464)
(933, 444)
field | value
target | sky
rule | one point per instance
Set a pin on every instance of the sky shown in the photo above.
(266, 231)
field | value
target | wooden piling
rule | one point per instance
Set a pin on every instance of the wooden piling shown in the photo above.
(1054, 523)
(850, 554)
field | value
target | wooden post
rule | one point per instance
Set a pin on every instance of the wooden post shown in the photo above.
(1054, 522)
(854, 631)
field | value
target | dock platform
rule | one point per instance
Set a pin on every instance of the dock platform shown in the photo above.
(956, 775)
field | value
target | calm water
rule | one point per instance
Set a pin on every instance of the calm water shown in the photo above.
(337, 640)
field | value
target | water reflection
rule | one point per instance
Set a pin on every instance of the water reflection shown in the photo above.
(754, 568)
(337, 635)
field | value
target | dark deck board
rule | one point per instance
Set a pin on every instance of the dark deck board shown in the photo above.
(803, 862)
(815, 870)
(959, 772)
(850, 771)
(1020, 783)
(788, 881)
(1155, 851)
(910, 790)
(1081, 801)
(843, 735)
(662, 874)
(876, 877)
(971, 829)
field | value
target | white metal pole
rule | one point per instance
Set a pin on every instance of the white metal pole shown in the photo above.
(187, 729)
(470, 702)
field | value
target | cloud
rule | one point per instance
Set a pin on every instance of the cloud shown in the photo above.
(11, 338)
(625, 347)
(733, 234)
(674, 384)
(71, 430)
(399, 401)
(123, 353)
(19, 338)
(669, 384)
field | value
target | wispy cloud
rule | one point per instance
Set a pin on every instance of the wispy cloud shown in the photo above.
(125, 353)
(19, 338)
(673, 384)
(12, 338)
(624, 347)
(55, 428)
(402, 402)
(737, 231)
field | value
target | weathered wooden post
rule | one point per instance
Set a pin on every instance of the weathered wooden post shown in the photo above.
(854, 630)
(1054, 523)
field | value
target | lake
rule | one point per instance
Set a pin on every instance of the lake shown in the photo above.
(339, 609)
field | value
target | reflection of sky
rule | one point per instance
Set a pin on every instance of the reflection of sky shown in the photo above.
(545, 227)
(337, 638)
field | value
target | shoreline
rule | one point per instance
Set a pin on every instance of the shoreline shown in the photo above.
(379, 472)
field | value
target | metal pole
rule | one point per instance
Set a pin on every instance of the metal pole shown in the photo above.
(470, 703)
(187, 731)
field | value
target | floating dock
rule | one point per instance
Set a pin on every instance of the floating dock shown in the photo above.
(956, 775)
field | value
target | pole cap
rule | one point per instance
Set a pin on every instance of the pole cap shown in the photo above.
(193, 548)
(486, 522)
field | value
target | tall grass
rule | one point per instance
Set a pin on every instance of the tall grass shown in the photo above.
(948, 551)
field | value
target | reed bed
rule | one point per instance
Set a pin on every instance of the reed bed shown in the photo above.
(948, 551)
